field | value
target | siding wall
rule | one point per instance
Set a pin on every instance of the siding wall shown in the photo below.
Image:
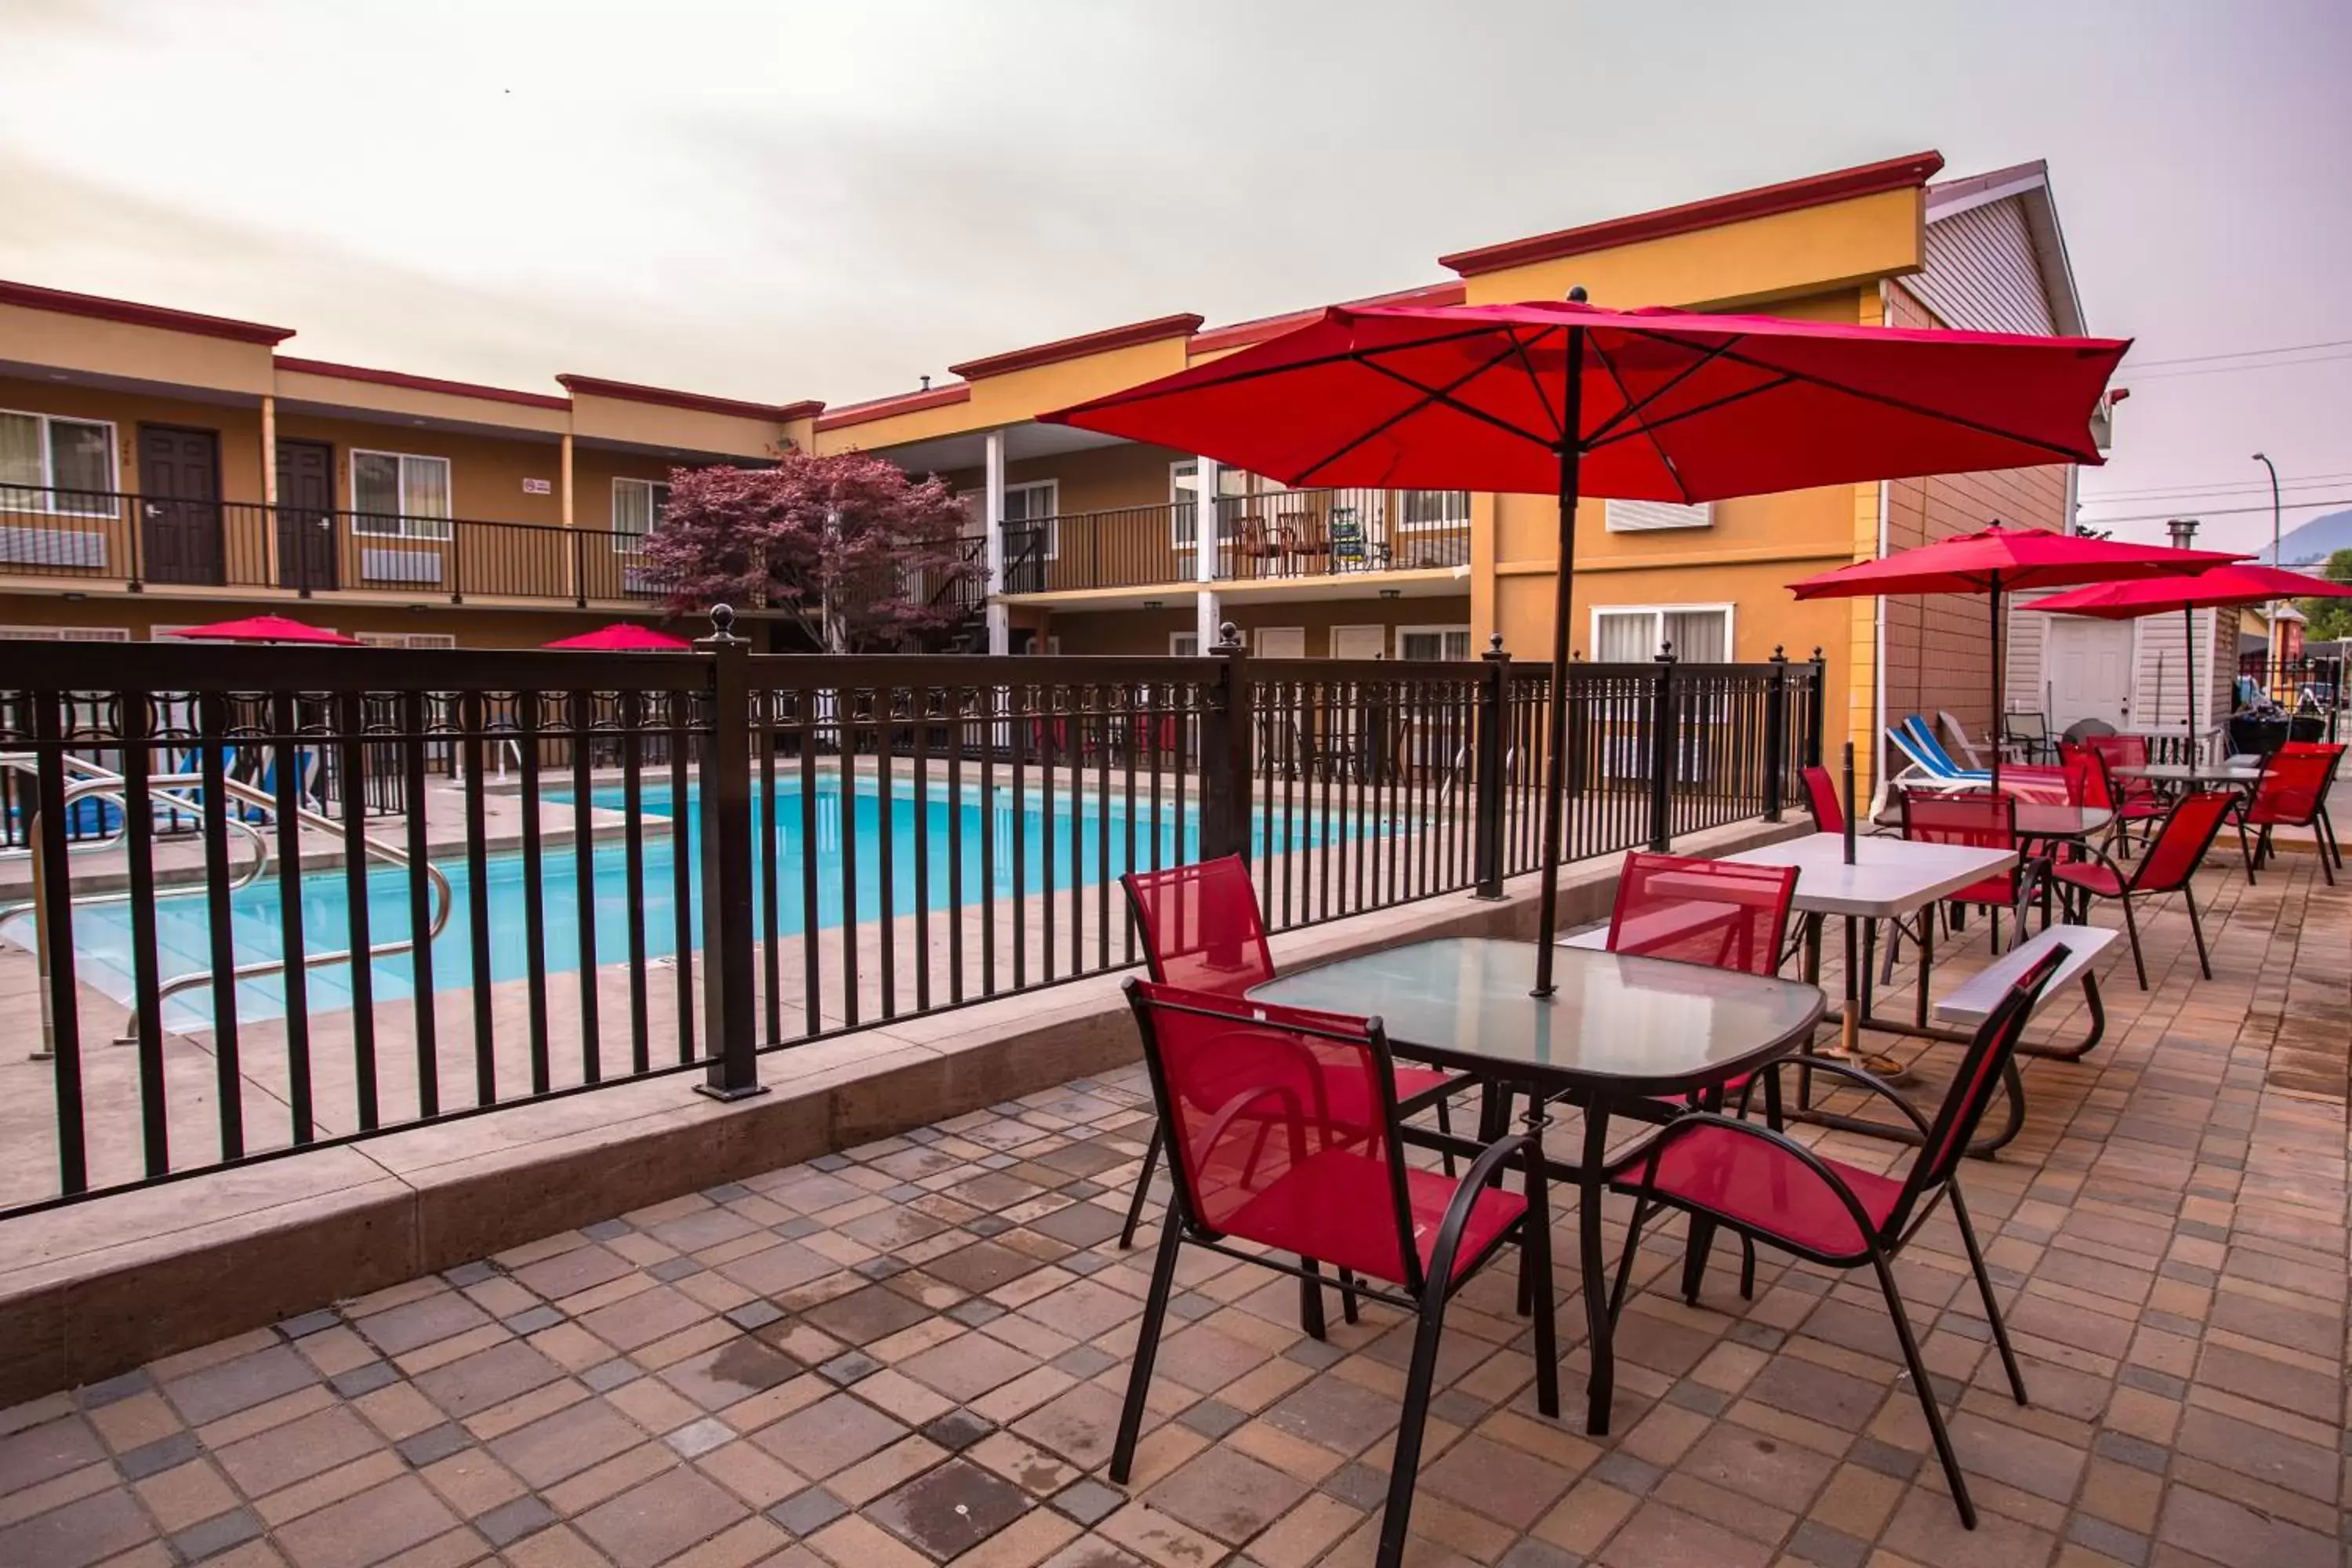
(1939, 647)
(1981, 273)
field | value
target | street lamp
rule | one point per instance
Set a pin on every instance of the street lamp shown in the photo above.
(2278, 634)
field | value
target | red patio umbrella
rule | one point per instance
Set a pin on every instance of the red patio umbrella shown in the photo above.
(265, 628)
(2223, 587)
(1650, 405)
(624, 637)
(1997, 561)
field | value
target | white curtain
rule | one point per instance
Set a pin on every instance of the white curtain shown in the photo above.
(1700, 637)
(20, 462)
(425, 494)
(1628, 637)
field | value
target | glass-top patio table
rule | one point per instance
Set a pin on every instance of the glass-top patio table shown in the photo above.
(2177, 776)
(1617, 1030)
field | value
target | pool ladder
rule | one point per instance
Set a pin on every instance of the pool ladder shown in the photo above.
(184, 793)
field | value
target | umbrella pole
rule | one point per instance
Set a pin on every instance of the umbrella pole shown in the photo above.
(1556, 730)
(2189, 656)
(1999, 683)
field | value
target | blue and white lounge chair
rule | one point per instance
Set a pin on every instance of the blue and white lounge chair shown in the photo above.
(1930, 766)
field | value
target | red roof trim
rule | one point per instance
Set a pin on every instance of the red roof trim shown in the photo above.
(1127, 337)
(34, 297)
(628, 392)
(865, 413)
(420, 382)
(1241, 334)
(1764, 201)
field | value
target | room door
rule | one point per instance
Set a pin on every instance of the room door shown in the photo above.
(179, 514)
(1359, 642)
(2088, 666)
(306, 515)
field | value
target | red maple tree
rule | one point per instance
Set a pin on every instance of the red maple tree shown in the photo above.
(863, 557)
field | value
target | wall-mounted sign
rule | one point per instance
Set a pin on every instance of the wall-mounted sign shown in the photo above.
(539, 487)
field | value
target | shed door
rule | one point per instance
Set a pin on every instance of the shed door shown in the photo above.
(2088, 665)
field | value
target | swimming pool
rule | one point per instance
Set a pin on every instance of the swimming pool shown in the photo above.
(1087, 851)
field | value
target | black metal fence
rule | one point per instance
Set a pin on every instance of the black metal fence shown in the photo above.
(606, 868)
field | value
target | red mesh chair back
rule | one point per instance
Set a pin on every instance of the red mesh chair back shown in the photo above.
(2123, 752)
(1973, 1086)
(1821, 797)
(1979, 818)
(1281, 1128)
(1715, 912)
(2292, 787)
(2181, 843)
(1200, 926)
(2087, 781)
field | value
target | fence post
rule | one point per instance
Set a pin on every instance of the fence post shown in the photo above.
(725, 789)
(1225, 766)
(1493, 763)
(1665, 739)
(1819, 717)
(1776, 733)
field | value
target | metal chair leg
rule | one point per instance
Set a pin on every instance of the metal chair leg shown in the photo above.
(2131, 929)
(1934, 1413)
(1984, 1289)
(1446, 1125)
(1405, 1466)
(1147, 1351)
(1311, 1300)
(2195, 928)
(1625, 1258)
(1143, 1189)
(1348, 1307)
(1747, 1269)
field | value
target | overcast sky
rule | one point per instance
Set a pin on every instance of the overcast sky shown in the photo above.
(776, 199)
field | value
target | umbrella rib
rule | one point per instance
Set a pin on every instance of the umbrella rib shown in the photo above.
(1633, 410)
(1656, 445)
(1430, 396)
(1882, 398)
(1649, 427)
(1559, 421)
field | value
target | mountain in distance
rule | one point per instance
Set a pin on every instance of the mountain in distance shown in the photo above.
(2311, 544)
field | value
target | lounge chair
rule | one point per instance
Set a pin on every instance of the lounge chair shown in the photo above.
(1931, 767)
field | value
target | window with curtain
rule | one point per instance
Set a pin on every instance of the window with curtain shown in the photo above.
(396, 496)
(638, 507)
(62, 467)
(1033, 506)
(1184, 491)
(1700, 634)
(1435, 509)
(1429, 644)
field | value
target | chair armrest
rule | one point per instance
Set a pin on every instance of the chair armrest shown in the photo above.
(1846, 1070)
(1439, 1275)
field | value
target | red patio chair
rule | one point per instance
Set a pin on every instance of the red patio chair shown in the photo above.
(2138, 800)
(1980, 819)
(1262, 1153)
(1822, 798)
(2173, 855)
(1202, 931)
(1771, 1188)
(2292, 793)
(1720, 913)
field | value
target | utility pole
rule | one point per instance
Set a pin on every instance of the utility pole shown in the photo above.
(2278, 634)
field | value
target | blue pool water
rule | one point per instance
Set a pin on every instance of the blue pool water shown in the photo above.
(102, 932)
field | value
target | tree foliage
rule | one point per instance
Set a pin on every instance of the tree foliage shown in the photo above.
(859, 555)
(2329, 619)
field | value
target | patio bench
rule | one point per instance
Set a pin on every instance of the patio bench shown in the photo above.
(1975, 998)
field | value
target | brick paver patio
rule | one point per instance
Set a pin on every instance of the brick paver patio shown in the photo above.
(913, 1353)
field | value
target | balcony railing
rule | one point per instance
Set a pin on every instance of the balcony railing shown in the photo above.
(111, 536)
(1274, 535)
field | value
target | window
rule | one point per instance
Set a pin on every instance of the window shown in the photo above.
(1640, 516)
(406, 639)
(1029, 509)
(1699, 634)
(396, 496)
(637, 508)
(1429, 644)
(1184, 490)
(63, 466)
(1435, 509)
(1185, 644)
(64, 634)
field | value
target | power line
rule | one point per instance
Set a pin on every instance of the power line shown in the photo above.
(2225, 369)
(2245, 353)
(2204, 512)
(2169, 493)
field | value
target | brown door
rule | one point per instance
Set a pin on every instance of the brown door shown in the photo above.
(306, 515)
(178, 488)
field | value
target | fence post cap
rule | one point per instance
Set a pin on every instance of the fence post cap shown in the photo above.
(1495, 647)
(1780, 655)
(1229, 639)
(1666, 654)
(722, 627)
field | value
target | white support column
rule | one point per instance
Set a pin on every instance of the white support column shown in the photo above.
(1208, 611)
(1000, 619)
